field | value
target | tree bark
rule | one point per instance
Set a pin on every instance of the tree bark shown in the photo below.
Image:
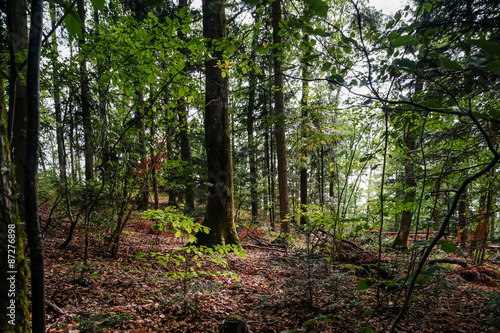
(279, 107)
(15, 317)
(219, 216)
(35, 241)
(17, 24)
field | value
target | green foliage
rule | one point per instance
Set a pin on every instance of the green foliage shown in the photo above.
(98, 322)
(189, 258)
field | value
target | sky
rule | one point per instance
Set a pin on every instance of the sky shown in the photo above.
(388, 6)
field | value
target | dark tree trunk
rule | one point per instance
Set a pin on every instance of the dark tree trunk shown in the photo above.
(184, 136)
(85, 104)
(17, 24)
(15, 316)
(279, 107)
(219, 215)
(31, 180)
(401, 240)
(143, 198)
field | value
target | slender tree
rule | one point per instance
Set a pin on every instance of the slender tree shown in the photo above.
(85, 102)
(184, 136)
(279, 107)
(31, 176)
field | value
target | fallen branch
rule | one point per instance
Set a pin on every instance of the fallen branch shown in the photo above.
(263, 247)
(447, 261)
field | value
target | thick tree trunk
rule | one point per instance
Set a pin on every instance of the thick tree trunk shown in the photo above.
(14, 273)
(17, 24)
(31, 180)
(279, 107)
(219, 215)
(85, 104)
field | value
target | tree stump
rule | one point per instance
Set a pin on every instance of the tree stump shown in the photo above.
(234, 324)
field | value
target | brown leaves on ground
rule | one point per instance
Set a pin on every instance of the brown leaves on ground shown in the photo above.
(133, 293)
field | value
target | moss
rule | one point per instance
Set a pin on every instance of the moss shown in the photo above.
(235, 324)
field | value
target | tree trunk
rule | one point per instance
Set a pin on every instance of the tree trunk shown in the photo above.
(14, 273)
(463, 212)
(61, 153)
(143, 198)
(184, 136)
(18, 104)
(304, 132)
(35, 241)
(252, 81)
(279, 107)
(219, 216)
(85, 103)
(401, 240)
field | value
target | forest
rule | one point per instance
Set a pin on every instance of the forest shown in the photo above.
(249, 166)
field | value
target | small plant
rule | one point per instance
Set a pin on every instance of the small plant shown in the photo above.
(189, 258)
(99, 322)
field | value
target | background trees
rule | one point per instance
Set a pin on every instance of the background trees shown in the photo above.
(301, 107)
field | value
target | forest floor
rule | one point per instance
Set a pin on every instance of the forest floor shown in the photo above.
(136, 293)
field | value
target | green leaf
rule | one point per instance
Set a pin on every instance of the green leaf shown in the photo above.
(252, 2)
(364, 284)
(74, 24)
(151, 79)
(326, 66)
(448, 63)
(448, 247)
(402, 41)
(489, 47)
(317, 7)
(99, 4)
(366, 330)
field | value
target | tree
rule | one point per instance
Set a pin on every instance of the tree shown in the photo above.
(85, 101)
(18, 44)
(279, 107)
(35, 241)
(14, 273)
(184, 135)
(219, 216)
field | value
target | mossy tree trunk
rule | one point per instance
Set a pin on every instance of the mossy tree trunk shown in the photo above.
(219, 216)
